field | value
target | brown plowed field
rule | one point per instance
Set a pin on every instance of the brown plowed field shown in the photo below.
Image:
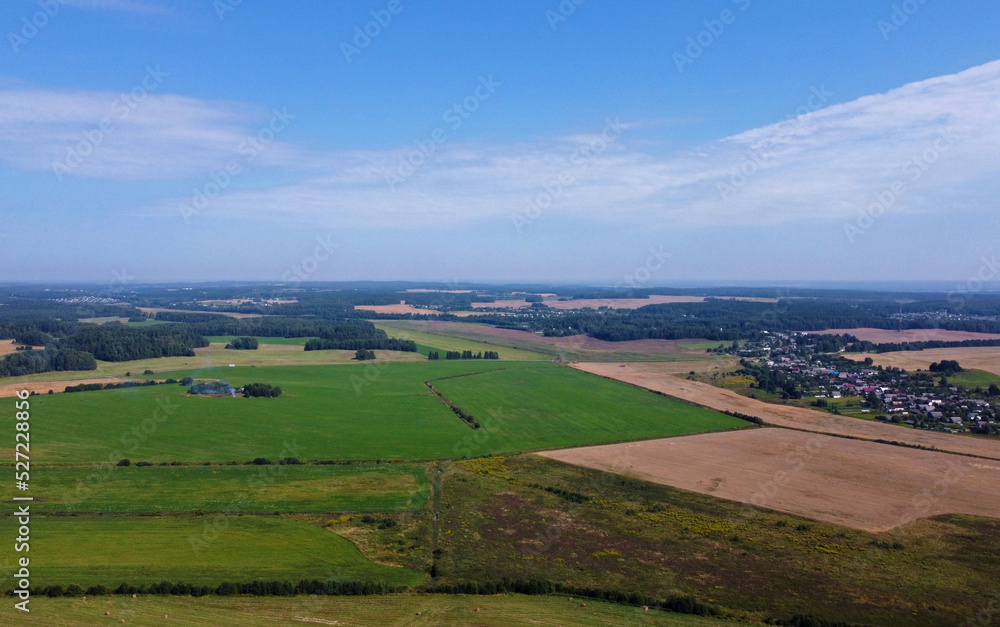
(659, 377)
(858, 484)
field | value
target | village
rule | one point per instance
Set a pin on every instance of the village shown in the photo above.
(807, 366)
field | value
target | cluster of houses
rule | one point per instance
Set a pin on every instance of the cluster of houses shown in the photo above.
(889, 394)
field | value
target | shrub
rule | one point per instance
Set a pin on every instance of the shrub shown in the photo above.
(124, 462)
(147, 371)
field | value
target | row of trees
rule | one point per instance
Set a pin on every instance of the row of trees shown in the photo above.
(375, 343)
(432, 355)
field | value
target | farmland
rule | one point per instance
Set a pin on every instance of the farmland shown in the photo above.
(197, 550)
(402, 609)
(214, 489)
(656, 377)
(356, 412)
(442, 343)
(816, 476)
(981, 358)
(572, 348)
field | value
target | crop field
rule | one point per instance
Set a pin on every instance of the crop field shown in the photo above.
(433, 341)
(357, 412)
(573, 348)
(891, 336)
(981, 358)
(214, 489)
(546, 406)
(821, 477)
(658, 377)
(197, 550)
(437, 609)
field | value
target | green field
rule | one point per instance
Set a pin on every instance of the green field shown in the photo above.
(281, 341)
(566, 407)
(213, 489)
(972, 379)
(432, 341)
(494, 611)
(356, 412)
(201, 550)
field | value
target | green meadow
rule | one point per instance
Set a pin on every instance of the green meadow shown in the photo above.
(213, 489)
(361, 412)
(394, 609)
(202, 550)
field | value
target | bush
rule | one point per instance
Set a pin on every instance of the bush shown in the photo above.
(124, 462)
(243, 344)
(262, 390)
(147, 371)
(261, 461)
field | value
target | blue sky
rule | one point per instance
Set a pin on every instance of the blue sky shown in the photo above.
(636, 142)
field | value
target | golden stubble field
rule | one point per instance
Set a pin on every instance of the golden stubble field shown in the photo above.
(986, 358)
(863, 485)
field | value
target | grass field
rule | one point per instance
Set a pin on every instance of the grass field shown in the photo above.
(281, 341)
(213, 489)
(433, 341)
(566, 405)
(355, 412)
(197, 550)
(494, 611)
(214, 356)
(972, 379)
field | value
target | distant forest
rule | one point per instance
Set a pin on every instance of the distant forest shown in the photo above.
(53, 319)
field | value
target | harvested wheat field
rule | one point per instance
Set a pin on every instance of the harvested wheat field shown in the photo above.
(7, 347)
(888, 336)
(987, 358)
(655, 376)
(858, 484)
(622, 303)
(401, 308)
(57, 386)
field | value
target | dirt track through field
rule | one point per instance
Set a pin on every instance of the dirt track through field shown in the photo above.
(863, 485)
(659, 377)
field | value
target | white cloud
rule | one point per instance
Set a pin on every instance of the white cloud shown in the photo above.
(823, 165)
(139, 135)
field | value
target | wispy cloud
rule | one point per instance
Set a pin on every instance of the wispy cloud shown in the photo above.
(825, 165)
